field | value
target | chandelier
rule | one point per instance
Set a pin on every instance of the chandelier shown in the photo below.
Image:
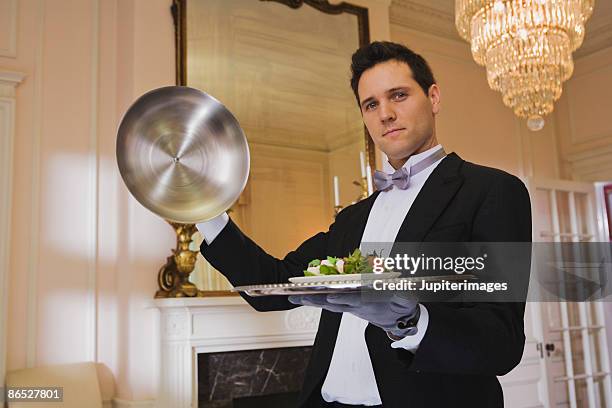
(526, 47)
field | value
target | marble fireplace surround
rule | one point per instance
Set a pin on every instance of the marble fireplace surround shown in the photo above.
(190, 326)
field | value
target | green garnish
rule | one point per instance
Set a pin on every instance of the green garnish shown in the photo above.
(314, 262)
(355, 262)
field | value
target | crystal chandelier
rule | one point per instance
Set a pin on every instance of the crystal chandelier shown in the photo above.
(526, 47)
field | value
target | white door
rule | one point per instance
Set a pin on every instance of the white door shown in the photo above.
(573, 345)
(525, 386)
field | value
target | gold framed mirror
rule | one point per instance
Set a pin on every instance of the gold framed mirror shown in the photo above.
(282, 67)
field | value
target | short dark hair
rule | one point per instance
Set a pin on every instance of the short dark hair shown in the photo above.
(381, 51)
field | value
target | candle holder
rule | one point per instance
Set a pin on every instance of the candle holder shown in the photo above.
(173, 277)
(364, 184)
(337, 209)
(364, 189)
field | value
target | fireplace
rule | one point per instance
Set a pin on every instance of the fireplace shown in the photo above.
(267, 377)
(225, 338)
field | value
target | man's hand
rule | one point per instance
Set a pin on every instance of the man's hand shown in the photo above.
(390, 314)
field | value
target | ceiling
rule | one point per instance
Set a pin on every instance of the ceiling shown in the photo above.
(438, 17)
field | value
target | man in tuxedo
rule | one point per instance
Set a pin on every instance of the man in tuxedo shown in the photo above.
(399, 353)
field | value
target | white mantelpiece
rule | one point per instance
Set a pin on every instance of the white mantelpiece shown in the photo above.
(210, 325)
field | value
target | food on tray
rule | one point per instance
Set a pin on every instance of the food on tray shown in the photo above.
(354, 263)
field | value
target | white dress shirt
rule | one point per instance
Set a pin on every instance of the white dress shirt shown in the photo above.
(350, 378)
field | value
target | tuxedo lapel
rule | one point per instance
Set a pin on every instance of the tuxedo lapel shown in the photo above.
(436, 193)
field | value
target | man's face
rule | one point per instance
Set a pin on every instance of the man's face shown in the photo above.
(396, 111)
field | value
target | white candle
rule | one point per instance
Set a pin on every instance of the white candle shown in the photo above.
(369, 180)
(336, 192)
(363, 167)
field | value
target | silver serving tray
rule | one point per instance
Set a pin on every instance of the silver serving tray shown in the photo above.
(312, 288)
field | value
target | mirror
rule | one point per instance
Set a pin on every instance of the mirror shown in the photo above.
(283, 69)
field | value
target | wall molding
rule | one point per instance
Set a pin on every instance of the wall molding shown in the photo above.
(93, 185)
(596, 39)
(11, 50)
(525, 158)
(574, 135)
(603, 150)
(595, 161)
(592, 63)
(423, 18)
(122, 403)
(8, 83)
(36, 137)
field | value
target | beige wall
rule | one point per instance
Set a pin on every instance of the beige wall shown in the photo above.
(84, 255)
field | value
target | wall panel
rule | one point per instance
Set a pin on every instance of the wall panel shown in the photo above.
(8, 82)
(8, 28)
(585, 134)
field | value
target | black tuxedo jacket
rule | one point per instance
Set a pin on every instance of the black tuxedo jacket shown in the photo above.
(466, 345)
